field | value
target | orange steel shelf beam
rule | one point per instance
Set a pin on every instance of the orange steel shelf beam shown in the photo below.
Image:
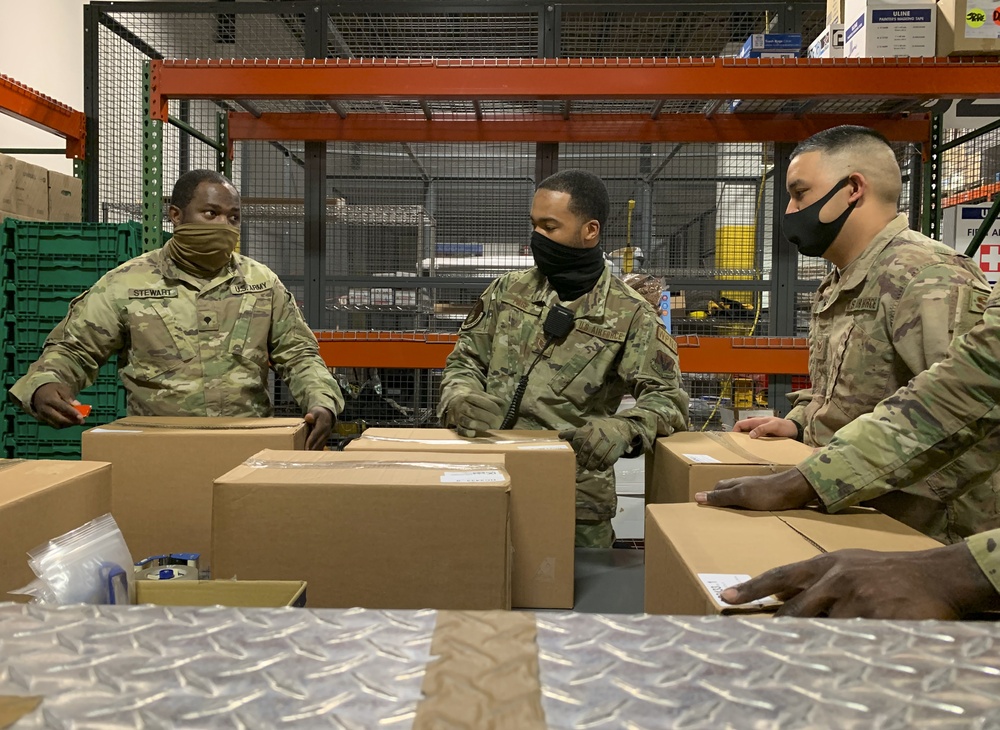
(756, 355)
(555, 128)
(26, 104)
(983, 192)
(573, 78)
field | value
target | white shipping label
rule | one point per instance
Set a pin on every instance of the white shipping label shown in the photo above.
(701, 458)
(465, 477)
(716, 583)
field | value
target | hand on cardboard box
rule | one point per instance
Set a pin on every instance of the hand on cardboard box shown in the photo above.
(942, 583)
(784, 490)
(54, 404)
(600, 443)
(320, 420)
(473, 413)
(767, 426)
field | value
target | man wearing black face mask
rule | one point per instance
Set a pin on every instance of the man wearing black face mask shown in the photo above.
(195, 327)
(888, 311)
(616, 346)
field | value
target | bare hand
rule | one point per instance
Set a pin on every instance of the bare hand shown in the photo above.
(785, 490)
(767, 426)
(941, 583)
(320, 422)
(53, 402)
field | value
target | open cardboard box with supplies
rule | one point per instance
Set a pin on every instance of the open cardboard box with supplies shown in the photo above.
(694, 552)
(685, 463)
(232, 593)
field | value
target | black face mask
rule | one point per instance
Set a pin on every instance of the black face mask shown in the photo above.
(572, 272)
(809, 234)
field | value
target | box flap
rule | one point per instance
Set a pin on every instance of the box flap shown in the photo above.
(716, 447)
(444, 438)
(326, 468)
(855, 527)
(201, 424)
(232, 593)
(19, 479)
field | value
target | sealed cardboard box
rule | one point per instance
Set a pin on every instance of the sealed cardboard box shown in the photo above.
(65, 192)
(542, 501)
(689, 462)
(31, 191)
(772, 45)
(164, 469)
(41, 500)
(968, 28)
(889, 28)
(8, 178)
(829, 43)
(387, 530)
(693, 553)
(233, 593)
(834, 12)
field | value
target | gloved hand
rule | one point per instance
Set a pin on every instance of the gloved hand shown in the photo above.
(475, 412)
(600, 443)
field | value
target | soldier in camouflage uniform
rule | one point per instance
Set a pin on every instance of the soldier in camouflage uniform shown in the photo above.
(887, 312)
(617, 346)
(195, 327)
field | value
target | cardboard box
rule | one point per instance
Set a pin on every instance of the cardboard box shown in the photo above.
(695, 552)
(8, 183)
(834, 12)
(164, 469)
(889, 28)
(233, 593)
(31, 190)
(542, 501)
(385, 531)
(968, 29)
(829, 43)
(359, 297)
(65, 198)
(772, 45)
(690, 462)
(40, 500)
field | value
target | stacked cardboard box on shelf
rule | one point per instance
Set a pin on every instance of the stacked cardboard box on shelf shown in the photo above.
(967, 28)
(889, 28)
(30, 192)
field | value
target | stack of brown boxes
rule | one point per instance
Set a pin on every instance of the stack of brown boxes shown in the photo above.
(30, 192)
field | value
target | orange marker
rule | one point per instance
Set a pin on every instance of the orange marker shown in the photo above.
(83, 409)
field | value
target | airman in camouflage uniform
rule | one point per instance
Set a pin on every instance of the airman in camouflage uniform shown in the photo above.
(187, 345)
(616, 347)
(877, 321)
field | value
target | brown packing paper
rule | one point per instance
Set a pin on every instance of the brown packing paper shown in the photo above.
(485, 674)
(13, 708)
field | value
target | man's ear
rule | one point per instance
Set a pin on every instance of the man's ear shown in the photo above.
(175, 214)
(591, 233)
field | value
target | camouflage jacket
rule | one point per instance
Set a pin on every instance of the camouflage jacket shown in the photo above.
(932, 447)
(187, 347)
(617, 346)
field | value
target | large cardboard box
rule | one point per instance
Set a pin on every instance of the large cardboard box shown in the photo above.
(164, 469)
(8, 184)
(40, 500)
(693, 552)
(829, 43)
(542, 500)
(65, 193)
(31, 191)
(233, 593)
(968, 28)
(889, 28)
(384, 530)
(689, 462)
(834, 12)
(772, 45)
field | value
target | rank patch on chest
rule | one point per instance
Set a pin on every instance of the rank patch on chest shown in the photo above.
(208, 322)
(249, 288)
(152, 293)
(863, 304)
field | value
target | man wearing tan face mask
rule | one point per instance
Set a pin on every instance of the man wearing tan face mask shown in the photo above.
(195, 327)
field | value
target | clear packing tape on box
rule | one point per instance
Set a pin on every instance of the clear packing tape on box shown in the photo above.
(453, 473)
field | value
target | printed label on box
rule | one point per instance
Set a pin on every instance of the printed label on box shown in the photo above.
(702, 458)
(716, 583)
(982, 20)
(464, 477)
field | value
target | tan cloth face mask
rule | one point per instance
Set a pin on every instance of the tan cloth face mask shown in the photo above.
(202, 249)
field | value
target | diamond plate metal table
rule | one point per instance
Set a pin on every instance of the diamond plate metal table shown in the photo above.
(155, 667)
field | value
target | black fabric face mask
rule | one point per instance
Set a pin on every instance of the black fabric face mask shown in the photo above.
(572, 272)
(811, 236)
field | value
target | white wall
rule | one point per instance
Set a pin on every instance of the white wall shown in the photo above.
(43, 48)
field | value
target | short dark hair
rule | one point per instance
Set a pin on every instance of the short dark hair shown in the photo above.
(187, 183)
(588, 196)
(839, 138)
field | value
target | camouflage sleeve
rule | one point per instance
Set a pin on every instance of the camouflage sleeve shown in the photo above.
(944, 411)
(466, 366)
(295, 354)
(938, 304)
(984, 550)
(652, 375)
(90, 333)
(800, 399)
